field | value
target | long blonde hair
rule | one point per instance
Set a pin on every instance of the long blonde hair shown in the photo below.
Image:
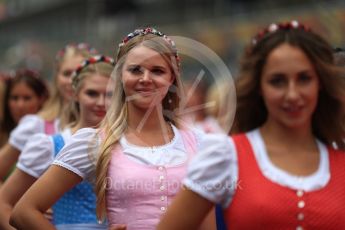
(103, 66)
(115, 122)
(55, 106)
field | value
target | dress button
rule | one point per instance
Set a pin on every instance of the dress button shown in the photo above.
(162, 188)
(163, 209)
(162, 198)
(300, 193)
(161, 177)
(300, 216)
(299, 228)
(301, 204)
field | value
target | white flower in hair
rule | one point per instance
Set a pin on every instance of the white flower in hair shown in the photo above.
(273, 27)
(294, 24)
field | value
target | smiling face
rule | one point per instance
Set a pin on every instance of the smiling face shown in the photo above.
(289, 87)
(23, 100)
(146, 78)
(92, 98)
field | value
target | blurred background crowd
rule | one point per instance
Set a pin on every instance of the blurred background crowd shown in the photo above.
(33, 30)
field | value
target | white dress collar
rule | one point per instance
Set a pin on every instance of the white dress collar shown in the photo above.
(315, 181)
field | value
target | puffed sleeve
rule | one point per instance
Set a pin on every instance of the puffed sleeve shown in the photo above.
(37, 155)
(79, 154)
(27, 127)
(213, 172)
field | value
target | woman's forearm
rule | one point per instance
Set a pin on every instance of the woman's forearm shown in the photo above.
(13, 189)
(187, 211)
(8, 157)
(5, 213)
(24, 218)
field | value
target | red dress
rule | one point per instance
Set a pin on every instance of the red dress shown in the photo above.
(259, 203)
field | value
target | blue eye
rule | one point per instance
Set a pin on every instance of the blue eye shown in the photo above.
(109, 94)
(158, 71)
(135, 70)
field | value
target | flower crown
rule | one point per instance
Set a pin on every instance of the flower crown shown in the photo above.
(84, 64)
(150, 30)
(280, 26)
(28, 73)
(78, 46)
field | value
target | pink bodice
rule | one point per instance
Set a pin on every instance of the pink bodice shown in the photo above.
(138, 194)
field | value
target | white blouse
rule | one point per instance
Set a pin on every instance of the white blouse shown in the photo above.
(79, 155)
(39, 152)
(213, 173)
(27, 127)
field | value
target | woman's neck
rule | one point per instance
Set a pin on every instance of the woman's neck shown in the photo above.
(293, 150)
(286, 136)
(146, 120)
(79, 125)
(148, 128)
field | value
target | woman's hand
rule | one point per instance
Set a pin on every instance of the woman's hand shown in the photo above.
(49, 214)
(30, 209)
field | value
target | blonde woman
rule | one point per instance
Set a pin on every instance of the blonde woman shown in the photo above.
(49, 119)
(138, 156)
(77, 208)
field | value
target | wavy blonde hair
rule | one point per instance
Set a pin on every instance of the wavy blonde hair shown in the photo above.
(55, 106)
(115, 122)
